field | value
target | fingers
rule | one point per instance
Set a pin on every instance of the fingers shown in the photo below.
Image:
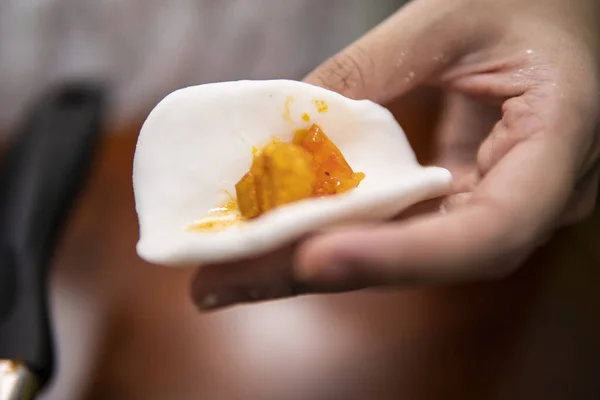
(465, 123)
(516, 203)
(395, 56)
(519, 121)
(272, 276)
(483, 235)
(245, 281)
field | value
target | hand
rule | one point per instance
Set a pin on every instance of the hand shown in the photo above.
(519, 133)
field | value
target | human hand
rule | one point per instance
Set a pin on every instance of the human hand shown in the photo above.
(520, 134)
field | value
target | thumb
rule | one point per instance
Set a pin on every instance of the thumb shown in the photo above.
(408, 48)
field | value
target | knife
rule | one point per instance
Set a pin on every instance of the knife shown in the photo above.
(41, 173)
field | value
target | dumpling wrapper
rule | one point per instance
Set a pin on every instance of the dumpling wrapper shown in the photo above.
(197, 143)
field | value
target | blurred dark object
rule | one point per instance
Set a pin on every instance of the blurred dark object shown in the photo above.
(41, 174)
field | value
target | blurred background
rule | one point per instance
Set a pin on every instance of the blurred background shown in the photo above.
(128, 330)
(145, 49)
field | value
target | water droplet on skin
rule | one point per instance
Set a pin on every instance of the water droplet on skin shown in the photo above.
(400, 59)
(209, 301)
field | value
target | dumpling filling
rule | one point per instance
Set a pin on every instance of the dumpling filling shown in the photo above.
(283, 173)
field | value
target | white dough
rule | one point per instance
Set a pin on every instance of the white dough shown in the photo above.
(197, 143)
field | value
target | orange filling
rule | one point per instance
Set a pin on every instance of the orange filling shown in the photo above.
(282, 173)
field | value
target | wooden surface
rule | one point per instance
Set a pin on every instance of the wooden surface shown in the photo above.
(128, 330)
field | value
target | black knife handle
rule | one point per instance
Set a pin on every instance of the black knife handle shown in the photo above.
(41, 173)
